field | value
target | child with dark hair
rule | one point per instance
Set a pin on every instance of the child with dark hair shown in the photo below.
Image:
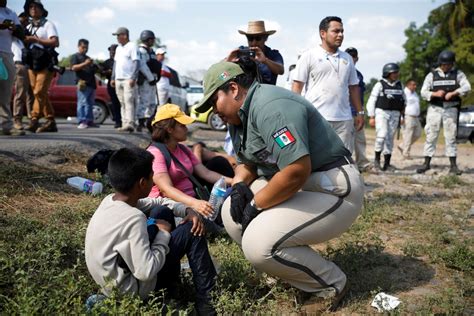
(122, 252)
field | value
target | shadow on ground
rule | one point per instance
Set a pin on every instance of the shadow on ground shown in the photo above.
(370, 270)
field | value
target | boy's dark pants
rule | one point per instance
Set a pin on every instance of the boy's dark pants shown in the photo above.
(184, 242)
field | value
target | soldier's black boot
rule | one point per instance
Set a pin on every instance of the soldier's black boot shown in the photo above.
(141, 124)
(386, 162)
(426, 165)
(377, 160)
(454, 168)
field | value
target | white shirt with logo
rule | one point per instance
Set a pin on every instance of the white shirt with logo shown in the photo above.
(125, 55)
(327, 78)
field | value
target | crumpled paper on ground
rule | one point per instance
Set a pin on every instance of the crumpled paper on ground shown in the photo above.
(385, 302)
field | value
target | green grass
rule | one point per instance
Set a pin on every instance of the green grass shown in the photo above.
(399, 243)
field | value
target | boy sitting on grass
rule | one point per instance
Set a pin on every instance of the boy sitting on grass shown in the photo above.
(121, 251)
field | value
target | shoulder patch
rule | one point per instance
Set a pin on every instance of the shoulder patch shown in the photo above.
(283, 137)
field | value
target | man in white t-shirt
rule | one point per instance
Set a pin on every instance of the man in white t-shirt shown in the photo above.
(411, 122)
(124, 78)
(10, 29)
(163, 84)
(330, 78)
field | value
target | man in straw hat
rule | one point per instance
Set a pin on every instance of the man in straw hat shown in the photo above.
(269, 61)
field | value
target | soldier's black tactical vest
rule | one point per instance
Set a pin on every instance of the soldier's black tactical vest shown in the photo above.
(448, 84)
(391, 97)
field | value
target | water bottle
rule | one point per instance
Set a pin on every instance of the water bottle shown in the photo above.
(217, 197)
(85, 185)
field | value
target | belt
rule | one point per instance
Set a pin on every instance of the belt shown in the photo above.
(338, 163)
(19, 63)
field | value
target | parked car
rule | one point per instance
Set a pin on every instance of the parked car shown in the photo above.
(210, 118)
(466, 125)
(63, 96)
(195, 94)
(177, 91)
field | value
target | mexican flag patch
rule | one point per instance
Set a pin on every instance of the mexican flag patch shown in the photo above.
(283, 137)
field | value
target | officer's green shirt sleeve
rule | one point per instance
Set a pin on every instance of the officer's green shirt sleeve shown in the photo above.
(283, 126)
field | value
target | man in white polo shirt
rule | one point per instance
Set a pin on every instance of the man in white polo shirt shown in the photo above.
(124, 78)
(330, 78)
(412, 125)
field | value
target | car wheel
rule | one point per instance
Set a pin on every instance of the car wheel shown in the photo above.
(215, 122)
(100, 112)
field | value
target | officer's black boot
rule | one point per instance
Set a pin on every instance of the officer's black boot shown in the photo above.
(377, 160)
(141, 124)
(386, 162)
(454, 168)
(426, 165)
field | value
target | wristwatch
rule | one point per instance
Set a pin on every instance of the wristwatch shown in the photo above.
(361, 113)
(254, 205)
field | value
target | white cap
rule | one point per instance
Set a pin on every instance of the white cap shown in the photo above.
(160, 51)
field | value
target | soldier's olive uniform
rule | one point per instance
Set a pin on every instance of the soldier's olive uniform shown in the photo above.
(443, 112)
(278, 128)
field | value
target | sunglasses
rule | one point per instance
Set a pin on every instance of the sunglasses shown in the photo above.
(257, 38)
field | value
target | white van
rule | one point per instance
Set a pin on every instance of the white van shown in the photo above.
(177, 94)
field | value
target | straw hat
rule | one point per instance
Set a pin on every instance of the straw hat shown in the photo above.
(256, 28)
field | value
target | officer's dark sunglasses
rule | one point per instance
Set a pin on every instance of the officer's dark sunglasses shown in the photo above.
(257, 38)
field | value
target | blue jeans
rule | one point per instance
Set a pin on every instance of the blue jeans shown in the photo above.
(85, 102)
(183, 242)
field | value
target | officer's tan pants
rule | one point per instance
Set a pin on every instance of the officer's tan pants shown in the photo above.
(437, 117)
(277, 240)
(359, 149)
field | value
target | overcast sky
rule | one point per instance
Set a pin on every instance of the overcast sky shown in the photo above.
(199, 33)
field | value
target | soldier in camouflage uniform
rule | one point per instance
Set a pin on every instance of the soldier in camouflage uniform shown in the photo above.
(443, 88)
(384, 107)
(146, 80)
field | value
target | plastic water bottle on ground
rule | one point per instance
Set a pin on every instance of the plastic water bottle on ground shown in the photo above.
(217, 197)
(85, 185)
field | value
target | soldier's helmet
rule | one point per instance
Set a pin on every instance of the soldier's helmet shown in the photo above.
(146, 35)
(446, 57)
(389, 68)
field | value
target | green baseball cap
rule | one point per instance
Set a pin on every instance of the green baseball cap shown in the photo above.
(216, 76)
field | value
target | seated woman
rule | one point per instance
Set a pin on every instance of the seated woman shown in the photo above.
(169, 128)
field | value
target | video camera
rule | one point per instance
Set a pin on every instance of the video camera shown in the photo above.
(245, 53)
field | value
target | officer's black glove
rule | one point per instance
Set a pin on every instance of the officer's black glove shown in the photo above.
(240, 196)
(250, 213)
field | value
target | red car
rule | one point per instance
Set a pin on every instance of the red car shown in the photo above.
(63, 97)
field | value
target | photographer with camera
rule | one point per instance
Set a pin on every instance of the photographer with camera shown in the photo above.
(9, 27)
(41, 40)
(269, 61)
(257, 60)
(85, 70)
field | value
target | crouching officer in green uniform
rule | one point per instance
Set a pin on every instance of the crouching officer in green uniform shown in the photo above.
(295, 184)
(443, 89)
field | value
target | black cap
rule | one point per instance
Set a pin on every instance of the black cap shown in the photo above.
(352, 51)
